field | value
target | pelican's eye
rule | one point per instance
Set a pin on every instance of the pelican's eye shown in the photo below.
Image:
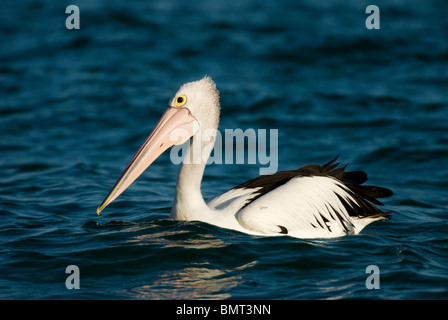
(180, 101)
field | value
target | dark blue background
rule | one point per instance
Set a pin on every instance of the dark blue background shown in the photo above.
(76, 104)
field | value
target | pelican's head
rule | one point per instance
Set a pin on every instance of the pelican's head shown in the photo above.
(194, 107)
(201, 98)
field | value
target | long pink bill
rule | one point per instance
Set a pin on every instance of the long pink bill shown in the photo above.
(175, 127)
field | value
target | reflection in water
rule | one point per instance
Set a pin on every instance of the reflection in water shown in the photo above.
(198, 281)
(180, 238)
(191, 280)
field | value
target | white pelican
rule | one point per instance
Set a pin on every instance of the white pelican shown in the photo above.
(311, 202)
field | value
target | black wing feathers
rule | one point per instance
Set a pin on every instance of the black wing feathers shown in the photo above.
(365, 195)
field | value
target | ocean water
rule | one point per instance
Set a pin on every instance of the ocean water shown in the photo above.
(75, 105)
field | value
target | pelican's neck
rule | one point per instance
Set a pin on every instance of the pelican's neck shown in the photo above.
(189, 203)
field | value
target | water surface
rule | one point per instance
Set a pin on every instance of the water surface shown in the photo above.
(76, 104)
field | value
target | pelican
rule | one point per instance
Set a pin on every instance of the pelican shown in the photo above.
(314, 201)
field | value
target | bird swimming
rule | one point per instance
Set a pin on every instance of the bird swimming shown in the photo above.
(314, 201)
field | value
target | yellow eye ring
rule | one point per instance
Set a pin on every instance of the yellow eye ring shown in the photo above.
(180, 101)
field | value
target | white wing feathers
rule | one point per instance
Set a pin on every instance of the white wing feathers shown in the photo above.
(303, 207)
(311, 202)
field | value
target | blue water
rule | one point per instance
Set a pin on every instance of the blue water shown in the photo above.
(75, 105)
